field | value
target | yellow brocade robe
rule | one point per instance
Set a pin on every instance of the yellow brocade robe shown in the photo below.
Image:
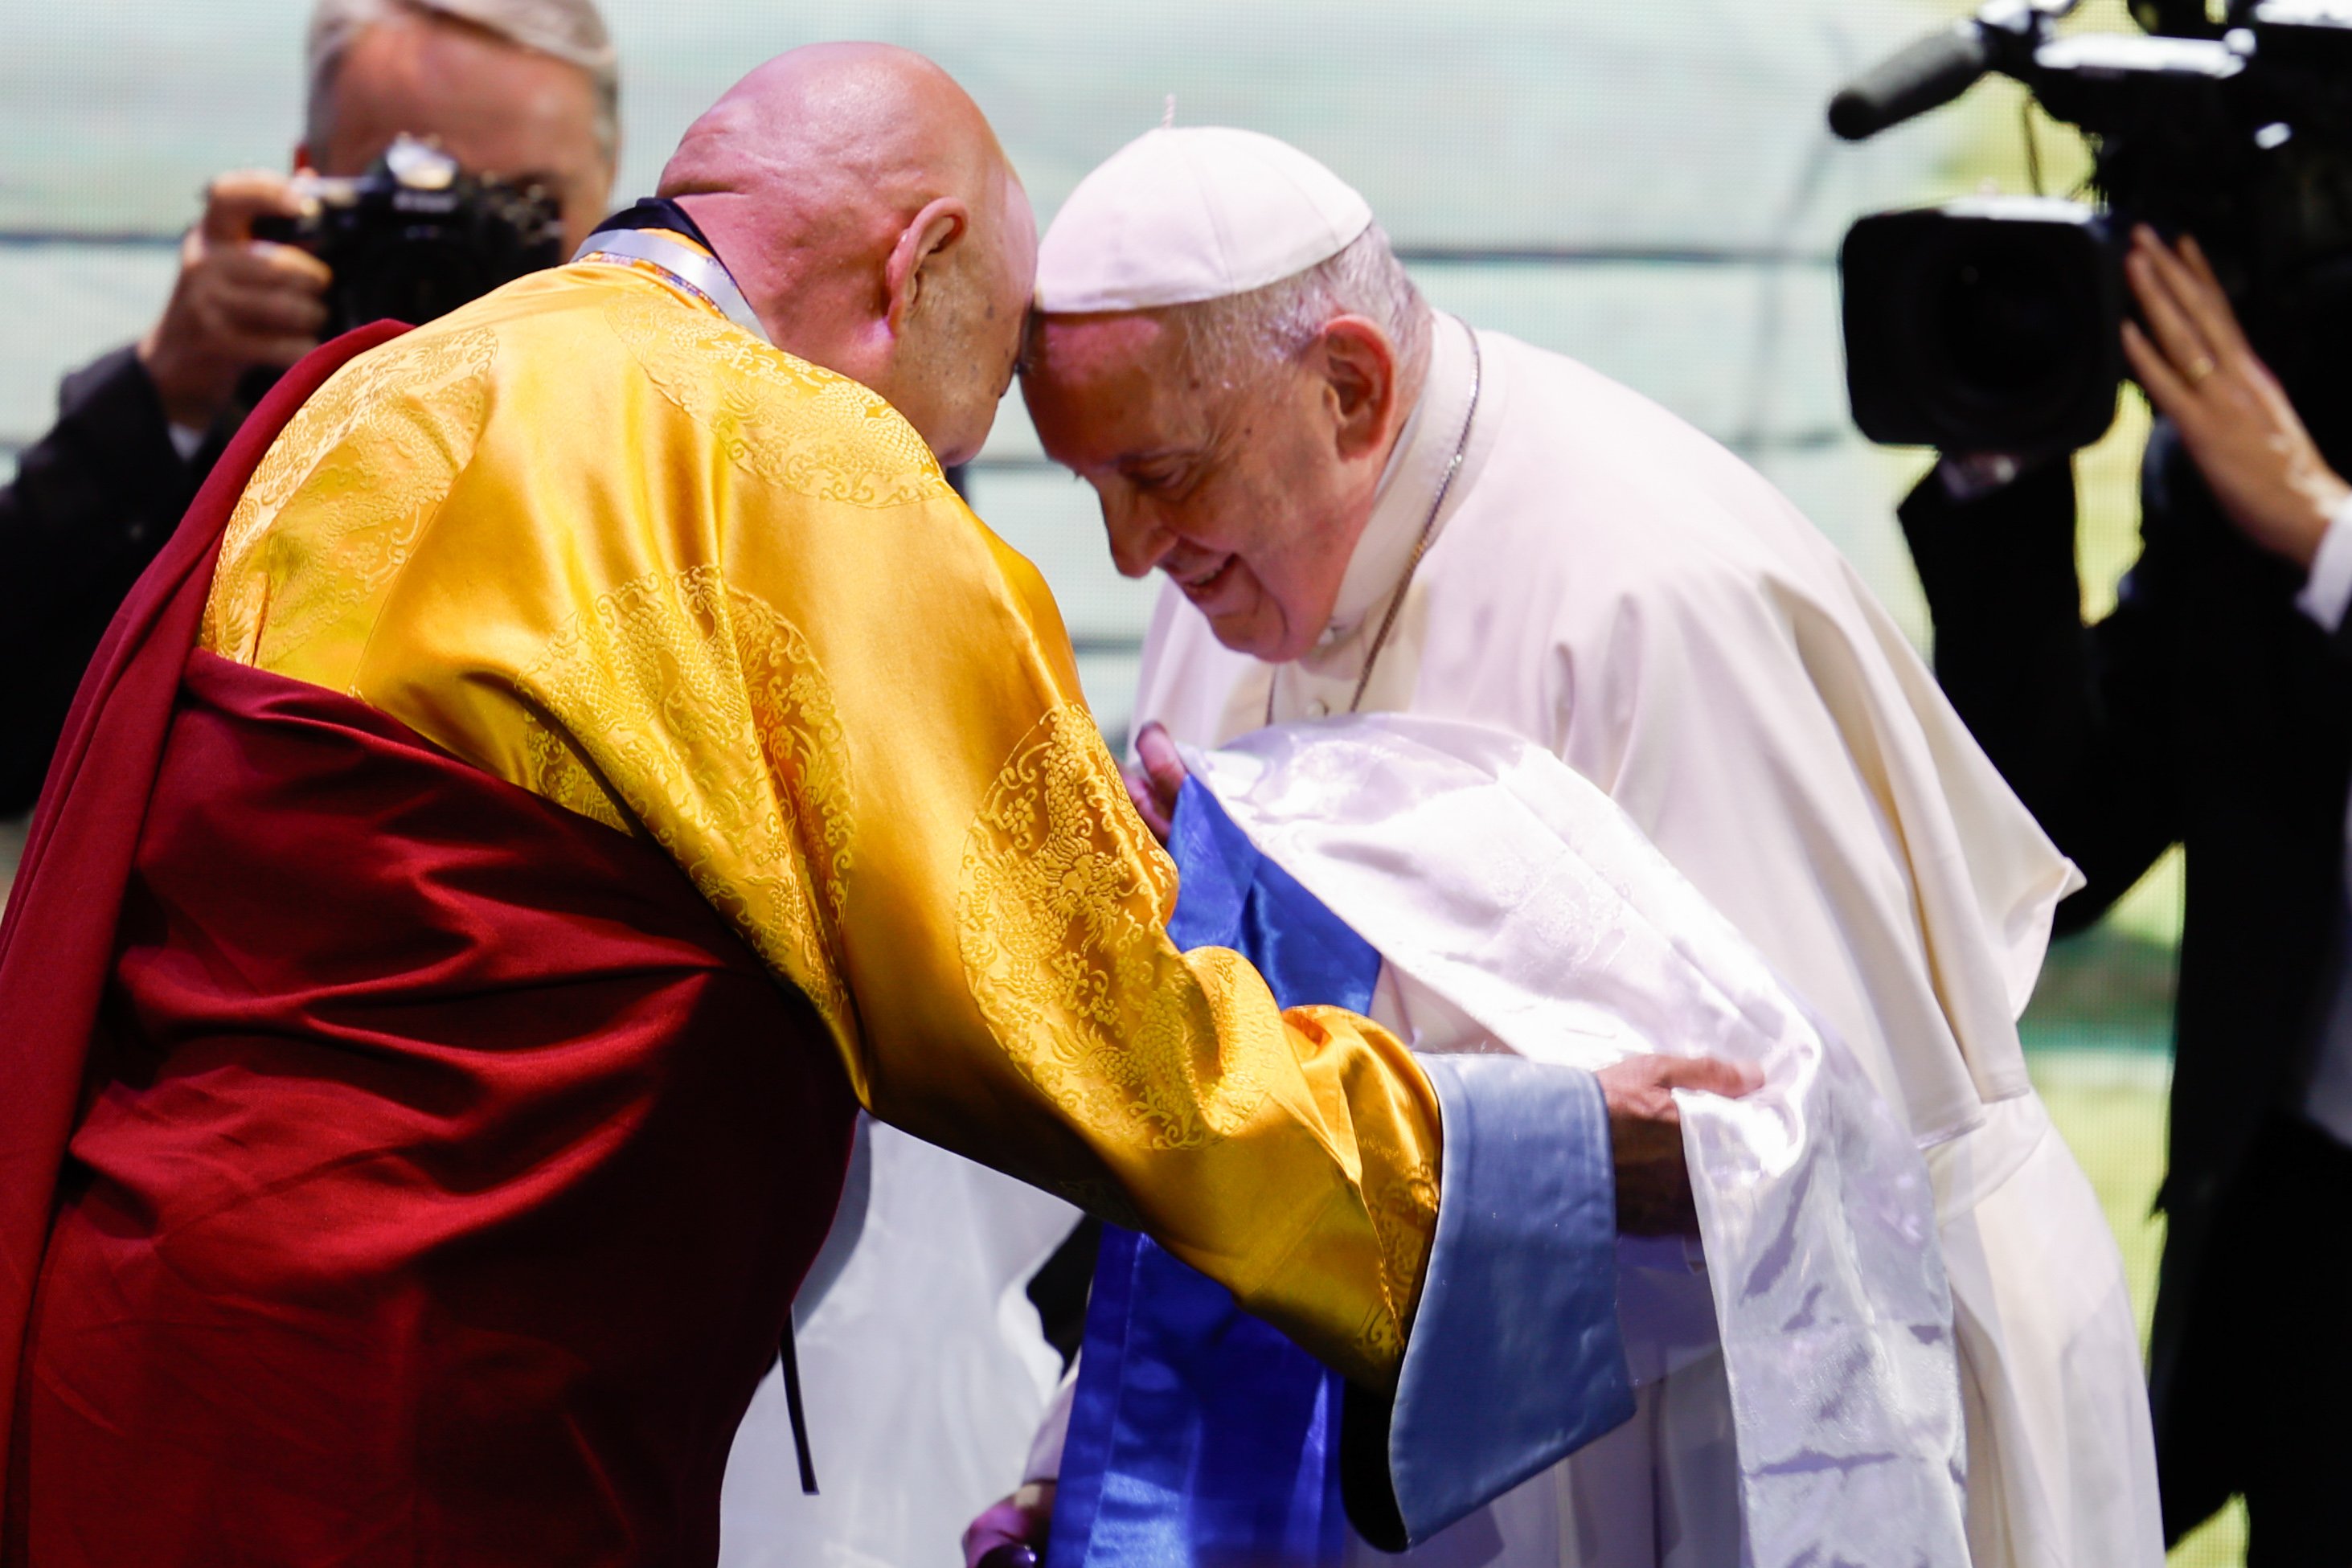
(592, 537)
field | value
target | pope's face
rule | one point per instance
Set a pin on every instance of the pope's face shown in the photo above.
(1242, 495)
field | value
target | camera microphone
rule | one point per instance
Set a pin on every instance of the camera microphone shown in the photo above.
(1922, 76)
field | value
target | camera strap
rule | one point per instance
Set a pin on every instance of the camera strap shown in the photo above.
(684, 268)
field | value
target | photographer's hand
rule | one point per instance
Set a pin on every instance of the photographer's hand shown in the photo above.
(238, 302)
(2235, 419)
(1645, 1135)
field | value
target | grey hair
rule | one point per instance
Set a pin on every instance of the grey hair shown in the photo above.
(1228, 339)
(571, 31)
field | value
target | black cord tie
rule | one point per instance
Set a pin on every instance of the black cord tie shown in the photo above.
(786, 1359)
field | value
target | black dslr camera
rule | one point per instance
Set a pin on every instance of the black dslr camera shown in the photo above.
(1993, 325)
(415, 237)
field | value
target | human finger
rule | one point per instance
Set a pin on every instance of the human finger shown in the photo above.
(289, 266)
(234, 200)
(1646, 1149)
(1162, 763)
(2193, 255)
(211, 323)
(1637, 1092)
(1010, 1526)
(2169, 323)
(261, 264)
(991, 1534)
(1147, 803)
(274, 312)
(2163, 385)
(1711, 1075)
(2199, 295)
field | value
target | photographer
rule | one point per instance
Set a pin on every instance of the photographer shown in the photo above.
(523, 89)
(2212, 709)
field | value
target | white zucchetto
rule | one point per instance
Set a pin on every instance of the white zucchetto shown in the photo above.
(1197, 212)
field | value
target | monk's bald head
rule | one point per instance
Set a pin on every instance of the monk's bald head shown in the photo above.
(868, 121)
(864, 205)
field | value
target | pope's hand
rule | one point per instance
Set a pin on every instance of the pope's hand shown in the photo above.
(1153, 785)
(238, 301)
(1645, 1135)
(2232, 414)
(1012, 1532)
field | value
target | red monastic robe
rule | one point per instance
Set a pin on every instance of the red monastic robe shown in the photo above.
(326, 1055)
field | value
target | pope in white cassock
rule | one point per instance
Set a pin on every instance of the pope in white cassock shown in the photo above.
(1362, 504)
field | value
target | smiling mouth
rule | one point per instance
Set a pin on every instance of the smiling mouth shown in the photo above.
(1199, 583)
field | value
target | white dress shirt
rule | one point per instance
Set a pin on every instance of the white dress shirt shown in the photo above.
(2327, 1096)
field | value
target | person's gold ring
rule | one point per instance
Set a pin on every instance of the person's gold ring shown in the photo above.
(2199, 368)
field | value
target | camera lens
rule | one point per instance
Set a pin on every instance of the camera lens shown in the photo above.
(1984, 326)
(2007, 321)
(424, 277)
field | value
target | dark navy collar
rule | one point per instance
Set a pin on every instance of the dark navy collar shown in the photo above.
(660, 212)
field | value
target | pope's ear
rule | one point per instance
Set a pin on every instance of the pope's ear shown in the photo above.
(926, 243)
(1359, 373)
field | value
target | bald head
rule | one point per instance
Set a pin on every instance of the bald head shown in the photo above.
(863, 204)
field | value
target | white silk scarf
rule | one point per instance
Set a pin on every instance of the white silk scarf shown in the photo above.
(1515, 907)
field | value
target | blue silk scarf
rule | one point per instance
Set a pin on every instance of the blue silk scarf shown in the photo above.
(1198, 1434)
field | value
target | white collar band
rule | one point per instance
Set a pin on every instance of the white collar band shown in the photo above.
(701, 273)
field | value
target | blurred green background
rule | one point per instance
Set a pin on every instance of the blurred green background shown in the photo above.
(1646, 187)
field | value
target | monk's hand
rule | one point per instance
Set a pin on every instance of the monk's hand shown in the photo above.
(1645, 1135)
(237, 302)
(1153, 784)
(1012, 1533)
(2233, 417)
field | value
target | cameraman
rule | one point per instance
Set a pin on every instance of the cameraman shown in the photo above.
(525, 89)
(2212, 709)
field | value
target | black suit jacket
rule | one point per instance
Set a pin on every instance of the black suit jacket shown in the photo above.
(2206, 710)
(93, 500)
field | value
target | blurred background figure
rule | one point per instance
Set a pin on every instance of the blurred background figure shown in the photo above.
(2211, 708)
(525, 91)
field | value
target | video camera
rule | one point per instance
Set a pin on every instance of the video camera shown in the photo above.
(415, 237)
(1994, 324)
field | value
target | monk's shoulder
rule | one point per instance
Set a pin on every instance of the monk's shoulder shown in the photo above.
(779, 418)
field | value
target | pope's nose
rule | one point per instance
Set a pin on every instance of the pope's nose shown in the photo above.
(1137, 542)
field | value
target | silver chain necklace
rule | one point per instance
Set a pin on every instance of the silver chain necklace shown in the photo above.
(1419, 545)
